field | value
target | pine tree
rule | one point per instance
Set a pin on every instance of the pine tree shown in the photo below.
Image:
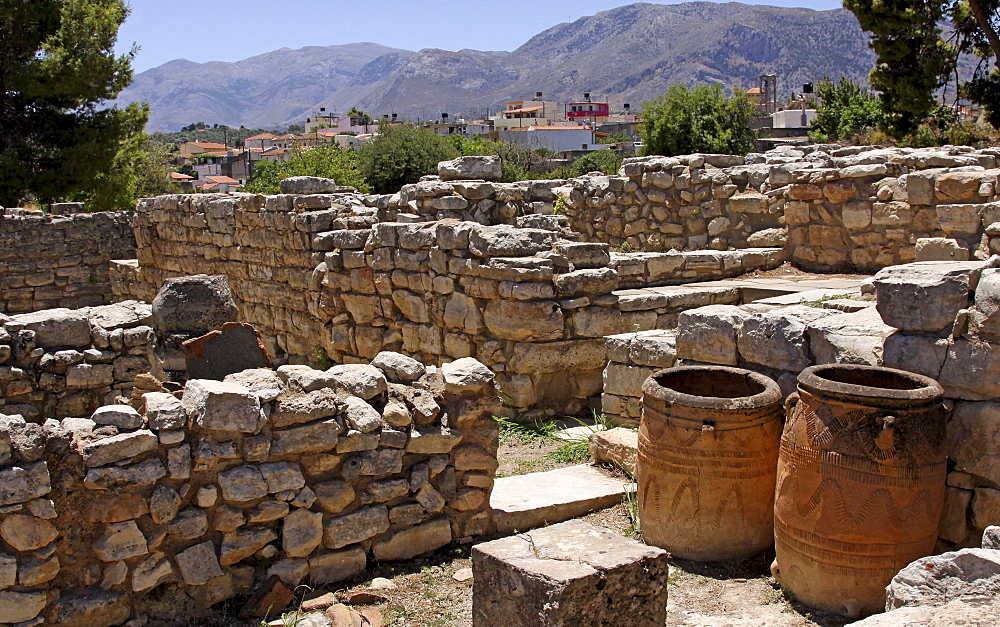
(57, 67)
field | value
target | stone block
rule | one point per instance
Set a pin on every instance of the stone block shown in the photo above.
(616, 447)
(938, 579)
(355, 527)
(524, 320)
(362, 380)
(198, 564)
(709, 334)
(164, 411)
(624, 380)
(118, 447)
(57, 328)
(924, 296)
(954, 525)
(101, 609)
(408, 543)
(317, 436)
(971, 370)
(465, 375)
(398, 368)
(21, 607)
(27, 533)
(940, 249)
(301, 532)
(775, 339)
(466, 168)
(121, 416)
(970, 426)
(558, 574)
(333, 566)
(120, 541)
(850, 338)
(220, 406)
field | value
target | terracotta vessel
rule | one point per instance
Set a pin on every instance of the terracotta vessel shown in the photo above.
(861, 479)
(708, 449)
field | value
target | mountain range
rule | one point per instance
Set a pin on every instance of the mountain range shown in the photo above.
(627, 54)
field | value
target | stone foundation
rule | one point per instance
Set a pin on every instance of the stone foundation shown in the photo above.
(298, 473)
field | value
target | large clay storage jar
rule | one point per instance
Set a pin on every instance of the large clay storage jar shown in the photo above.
(861, 480)
(708, 451)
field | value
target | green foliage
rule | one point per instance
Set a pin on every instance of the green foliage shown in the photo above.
(516, 161)
(617, 138)
(703, 119)
(402, 154)
(573, 452)
(297, 129)
(329, 161)
(845, 111)
(219, 135)
(915, 59)
(606, 161)
(57, 65)
(526, 430)
(138, 171)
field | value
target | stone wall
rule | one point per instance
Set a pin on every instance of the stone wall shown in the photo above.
(62, 363)
(299, 473)
(53, 261)
(830, 207)
(934, 318)
(321, 277)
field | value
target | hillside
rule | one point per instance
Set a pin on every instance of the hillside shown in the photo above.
(626, 54)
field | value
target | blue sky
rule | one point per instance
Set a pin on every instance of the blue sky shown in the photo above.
(230, 30)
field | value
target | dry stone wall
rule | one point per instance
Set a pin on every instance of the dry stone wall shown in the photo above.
(61, 363)
(54, 261)
(299, 473)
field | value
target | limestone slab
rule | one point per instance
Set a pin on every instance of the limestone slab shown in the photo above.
(527, 501)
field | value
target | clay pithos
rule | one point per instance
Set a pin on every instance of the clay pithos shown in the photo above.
(861, 482)
(708, 449)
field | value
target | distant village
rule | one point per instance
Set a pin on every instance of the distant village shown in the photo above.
(568, 131)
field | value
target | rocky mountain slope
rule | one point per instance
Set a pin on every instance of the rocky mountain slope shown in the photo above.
(626, 55)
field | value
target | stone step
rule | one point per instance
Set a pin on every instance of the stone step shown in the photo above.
(527, 501)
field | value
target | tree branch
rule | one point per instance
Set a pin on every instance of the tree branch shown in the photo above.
(984, 23)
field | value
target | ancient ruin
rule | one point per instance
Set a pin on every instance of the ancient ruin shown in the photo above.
(397, 325)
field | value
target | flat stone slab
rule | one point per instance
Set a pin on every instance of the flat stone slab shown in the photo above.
(541, 498)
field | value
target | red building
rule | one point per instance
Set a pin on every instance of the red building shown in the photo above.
(587, 110)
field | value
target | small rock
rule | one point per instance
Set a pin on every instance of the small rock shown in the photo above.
(462, 574)
(270, 599)
(365, 598)
(381, 583)
(398, 368)
(121, 416)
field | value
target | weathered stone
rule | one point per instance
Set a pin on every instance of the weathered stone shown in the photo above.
(164, 504)
(486, 168)
(151, 572)
(971, 371)
(121, 416)
(244, 483)
(557, 574)
(775, 339)
(986, 508)
(198, 564)
(317, 436)
(110, 477)
(708, 334)
(915, 353)
(465, 375)
(938, 579)
(361, 380)
(20, 607)
(190, 524)
(193, 305)
(356, 526)
(398, 368)
(954, 526)
(79, 609)
(616, 447)
(112, 507)
(361, 416)
(301, 532)
(282, 476)
(118, 447)
(333, 566)
(924, 296)
(27, 533)
(263, 382)
(308, 185)
(89, 376)
(222, 406)
(303, 378)
(241, 544)
(972, 424)
(850, 338)
(120, 541)
(164, 411)
(940, 249)
(57, 328)
(414, 541)
(593, 282)
(293, 408)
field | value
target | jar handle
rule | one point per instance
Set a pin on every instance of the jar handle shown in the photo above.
(790, 403)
